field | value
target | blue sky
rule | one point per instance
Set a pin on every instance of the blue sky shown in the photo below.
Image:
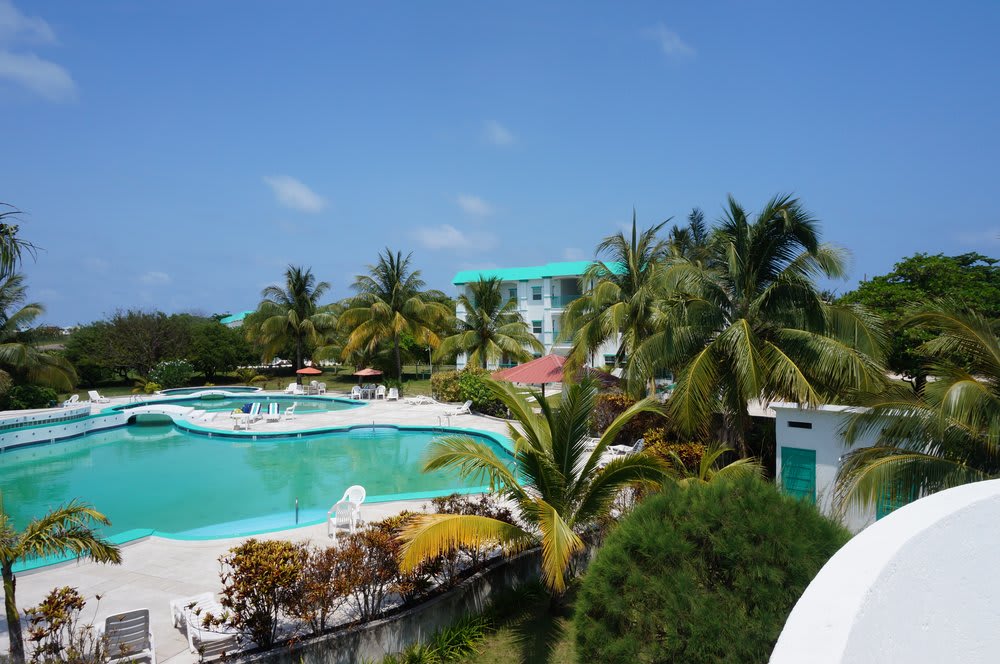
(177, 155)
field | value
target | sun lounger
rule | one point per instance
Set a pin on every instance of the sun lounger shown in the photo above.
(129, 637)
(273, 413)
(96, 397)
(464, 409)
(293, 388)
(419, 400)
(189, 613)
(627, 449)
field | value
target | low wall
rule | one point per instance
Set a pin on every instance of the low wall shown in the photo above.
(55, 424)
(376, 639)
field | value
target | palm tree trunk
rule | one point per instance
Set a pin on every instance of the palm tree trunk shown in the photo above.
(399, 362)
(13, 617)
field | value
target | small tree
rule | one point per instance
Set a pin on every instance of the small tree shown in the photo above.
(172, 373)
(322, 588)
(58, 635)
(706, 573)
(68, 528)
(216, 348)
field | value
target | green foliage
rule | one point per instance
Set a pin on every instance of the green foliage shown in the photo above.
(19, 356)
(57, 634)
(703, 574)
(290, 317)
(662, 445)
(473, 385)
(260, 580)
(972, 279)
(131, 341)
(483, 505)
(445, 386)
(610, 405)
(21, 397)
(216, 348)
(449, 644)
(172, 373)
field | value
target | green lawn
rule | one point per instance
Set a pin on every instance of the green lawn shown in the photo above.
(531, 634)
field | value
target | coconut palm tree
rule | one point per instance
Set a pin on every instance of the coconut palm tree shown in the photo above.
(69, 528)
(944, 435)
(291, 314)
(492, 327)
(620, 303)
(11, 246)
(692, 242)
(556, 482)
(749, 323)
(18, 356)
(710, 469)
(390, 302)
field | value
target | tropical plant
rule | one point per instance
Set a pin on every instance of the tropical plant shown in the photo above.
(750, 323)
(492, 328)
(291, 315)
(69, 528)
(58, 634)
(946, 434)
(390, 302)
(11, 246)
(18, 356)
(619, 306)
(691, 243)
(556, 482)
(703, 574)
(711, 467)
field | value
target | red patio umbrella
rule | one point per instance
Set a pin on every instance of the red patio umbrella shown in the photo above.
(546, 369)
(366, 372)
(306, 371)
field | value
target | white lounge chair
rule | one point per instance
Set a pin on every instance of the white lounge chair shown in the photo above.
(74, 399)
(273, 413)
(356, 392)
(380, 392)
(188, 613)
(129, 637)
(464, 409)
(393, 394)
(97, 398)
(627, 449)
(419, 400)
(346, 511)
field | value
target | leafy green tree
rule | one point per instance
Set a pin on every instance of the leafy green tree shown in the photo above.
(69, 528)
(749, 323)
(706, 573)
(391, 302)
(970, 279)
(946, 434)
(216, 349)
(18, 356)
(556, 483)
(292, 314)
(619, 306)
(492, 327)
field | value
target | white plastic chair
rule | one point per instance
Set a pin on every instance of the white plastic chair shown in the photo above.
(356, 392)
(343, 514)
(293, 388)
(72, 400)
(129, 637)
(97, 398)
(290, 411)
(380, 392)
(322, 388)
(393, 394)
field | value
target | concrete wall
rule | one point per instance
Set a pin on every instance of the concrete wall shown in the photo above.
(920, 585)
(33, 428)
(825, 439)
(373, 641)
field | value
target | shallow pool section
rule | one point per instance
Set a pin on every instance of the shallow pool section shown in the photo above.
(233, 389)
(219, 403)
(182, 484)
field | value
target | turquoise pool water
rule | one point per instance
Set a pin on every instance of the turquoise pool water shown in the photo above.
(192, 390)
(227, 404)
(160, 478)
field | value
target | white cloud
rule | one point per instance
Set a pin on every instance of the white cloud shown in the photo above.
(155, 278)
(294, 194)
(474, 205)
(988, 237)
(669, 41)
(574, 254)
(447, 236)
(497, 134)
(15, 26)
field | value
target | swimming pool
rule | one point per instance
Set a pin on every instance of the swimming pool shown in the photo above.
(181, 484)
(234, 389)
(221, 403)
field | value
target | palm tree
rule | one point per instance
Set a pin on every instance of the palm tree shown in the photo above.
(389, 303)
(556, 482)
(292, 314)
(18, 356)
(619, 304)
(750, 323)
(11, 246)
(492, 327)
(67, 528)
(709, 469)
(944, 435)
(692, 242)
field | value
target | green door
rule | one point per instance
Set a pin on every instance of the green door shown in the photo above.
(798, 473)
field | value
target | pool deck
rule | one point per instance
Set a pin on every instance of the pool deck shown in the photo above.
(156, 570)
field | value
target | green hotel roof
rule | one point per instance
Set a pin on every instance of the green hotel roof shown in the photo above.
(235, 318)
(569, 269)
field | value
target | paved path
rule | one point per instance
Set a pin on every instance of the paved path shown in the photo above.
(156, 570)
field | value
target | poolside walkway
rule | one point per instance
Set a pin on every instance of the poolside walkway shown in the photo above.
(155, 570)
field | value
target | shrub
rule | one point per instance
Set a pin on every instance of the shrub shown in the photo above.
(610, 405)
(371, 570)
(660, 444)
(259, 583)
(321, 588)
(22, 397)
(482, 505)
(444, 386)
(172, 373)
(149, 387)
(472, 387)
(57, 634)
(703, 574)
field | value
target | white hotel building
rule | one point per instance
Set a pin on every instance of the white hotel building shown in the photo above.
(542, 293)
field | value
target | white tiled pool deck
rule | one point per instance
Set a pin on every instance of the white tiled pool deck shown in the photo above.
(156, 570)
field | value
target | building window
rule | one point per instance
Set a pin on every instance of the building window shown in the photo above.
(536, 293)
(555, 328)
(609, 360)
(800, 425)
(798, 473)
(536, 326)
(512, 292)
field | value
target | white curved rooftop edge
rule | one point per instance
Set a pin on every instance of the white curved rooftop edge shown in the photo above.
(920, 585)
